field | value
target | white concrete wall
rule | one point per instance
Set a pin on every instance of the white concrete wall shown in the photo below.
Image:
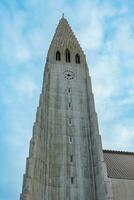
(123, 189)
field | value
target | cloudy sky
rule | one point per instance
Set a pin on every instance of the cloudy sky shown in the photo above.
(105, 30)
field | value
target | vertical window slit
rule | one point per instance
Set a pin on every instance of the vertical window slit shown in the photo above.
(77, 59)
(67, 56)
(71, 158)
(70, 139)
(58, 56)
(72, 180)
(70, 121)
(69, 104)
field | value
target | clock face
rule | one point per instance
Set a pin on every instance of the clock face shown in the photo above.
(68, 74)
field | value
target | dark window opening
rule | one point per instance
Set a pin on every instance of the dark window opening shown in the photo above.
(67, 55)
(58, 56)
(72, 180)
(70, 121)
(69, 104)
(70, 139)
(69, 90)
(77, 59)
(71, 158)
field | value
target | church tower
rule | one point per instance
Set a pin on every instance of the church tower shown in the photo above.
(65, 158)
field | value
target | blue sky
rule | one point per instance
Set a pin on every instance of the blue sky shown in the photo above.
(105, 30)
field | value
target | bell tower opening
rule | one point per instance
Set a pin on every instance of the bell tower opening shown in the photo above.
(58, 57)
(77, 59)
(68, 56)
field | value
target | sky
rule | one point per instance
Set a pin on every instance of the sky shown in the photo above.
(105, 30)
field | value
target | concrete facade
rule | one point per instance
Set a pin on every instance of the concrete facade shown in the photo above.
(65, 158)
(123, 189)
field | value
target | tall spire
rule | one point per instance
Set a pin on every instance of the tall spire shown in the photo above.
(64, 38)
(65, 160)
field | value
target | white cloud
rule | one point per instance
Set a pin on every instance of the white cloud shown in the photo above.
(123, 138)
(14, 45)
(113, 85)
(25, 86)
(91, 34)
(123, 42)
(22, 53)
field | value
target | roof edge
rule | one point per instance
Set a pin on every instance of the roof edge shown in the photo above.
(117, 152)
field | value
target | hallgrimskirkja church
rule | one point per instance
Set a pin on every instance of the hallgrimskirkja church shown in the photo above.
(66, 160)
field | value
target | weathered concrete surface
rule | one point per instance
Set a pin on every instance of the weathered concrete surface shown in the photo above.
(123, 189)
(66, 160)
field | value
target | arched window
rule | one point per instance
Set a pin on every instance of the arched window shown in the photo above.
(67, 56)
(77, 59)
(58, 55)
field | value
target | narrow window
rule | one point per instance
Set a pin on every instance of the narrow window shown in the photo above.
(70, 139)
(69, 121)
(77, 59)
(69, 104)
(67, 55)
(72, 180)
(58, 56)
(69, 90)
(71, 158)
